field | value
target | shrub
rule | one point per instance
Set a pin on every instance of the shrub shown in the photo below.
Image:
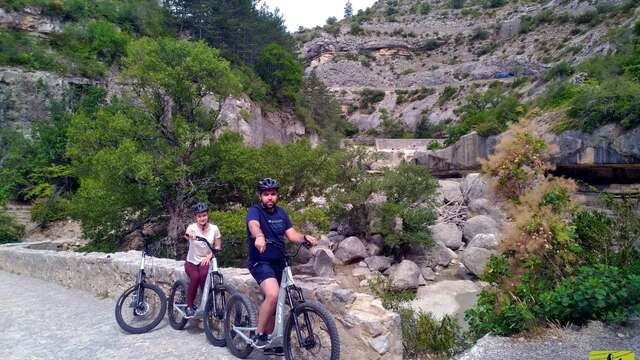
(613, 100)
(356, 29)
(492, 4)
(422, 333)
(498, 315)
(518, 160)
(49, 209)
(10, 230)
(456, 4)
(426, 130)
(598, 292)
(447, 94)
(281, 71)
(392, 127)
(560, 70)
(234, 236)
(368, 97)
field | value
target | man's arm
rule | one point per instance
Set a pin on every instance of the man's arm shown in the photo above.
(294, 236)
(256, 232)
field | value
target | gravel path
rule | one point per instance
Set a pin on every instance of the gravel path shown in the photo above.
(559, 344)
(43, 320)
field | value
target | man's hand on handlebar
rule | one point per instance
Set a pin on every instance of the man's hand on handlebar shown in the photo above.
(310, 240)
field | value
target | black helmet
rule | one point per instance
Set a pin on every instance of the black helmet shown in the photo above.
(268, 184)
(200, 208)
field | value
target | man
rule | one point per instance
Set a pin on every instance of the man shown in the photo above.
(266, 221)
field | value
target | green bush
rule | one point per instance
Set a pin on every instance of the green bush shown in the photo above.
(24, 50)
(234, 236)
(560, 70)
(10, 230)
(423, 334)
(369, 97)
(49, 209)
(614, 100)
(281, 71)
(597, 292)
(492, 4)
(488, 113)
(427, 130)
(496, 270)
(496, 315)
(447, 94)
(456, 4)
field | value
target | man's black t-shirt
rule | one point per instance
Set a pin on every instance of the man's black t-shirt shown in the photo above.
(273, 224)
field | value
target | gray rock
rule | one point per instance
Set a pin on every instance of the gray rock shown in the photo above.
(404, 275)
(323, 263)
(351, 250)
(381, 344)
(448, 234)
(480, 224)
(428, 274)
(376, 198)
(473, 187)
(475, 259)
(376, 239)
(378, 263)
(482, 206)
(449, 191)
(485, 241)
(442, 255)
(373, 249)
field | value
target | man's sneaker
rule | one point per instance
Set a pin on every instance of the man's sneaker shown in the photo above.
(278, 350)
(261, 341)
(189, 312)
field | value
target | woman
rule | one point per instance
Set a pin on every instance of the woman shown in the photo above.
(199, 255)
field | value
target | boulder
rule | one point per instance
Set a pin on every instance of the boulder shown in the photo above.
(485, 241)
(323, 263)
(378, 263)
(404, 275)
(482, 206)
(448, 234)
(479, 224)
(442, 255)
(428, 274)
(473, 187)
(449, 191)
(376, 239)
(373, 249)
(475, 259)
(351, 250)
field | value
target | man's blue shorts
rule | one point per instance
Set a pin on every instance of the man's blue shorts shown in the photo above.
(262, 270)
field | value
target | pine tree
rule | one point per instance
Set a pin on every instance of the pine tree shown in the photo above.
(348, 9)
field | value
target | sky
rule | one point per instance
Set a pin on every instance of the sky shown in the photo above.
(310, 13)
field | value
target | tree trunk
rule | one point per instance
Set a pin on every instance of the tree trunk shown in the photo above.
(176, 226)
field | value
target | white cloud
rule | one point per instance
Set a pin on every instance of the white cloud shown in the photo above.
(309, 13)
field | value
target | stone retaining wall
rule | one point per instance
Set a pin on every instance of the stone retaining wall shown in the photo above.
(367, 330)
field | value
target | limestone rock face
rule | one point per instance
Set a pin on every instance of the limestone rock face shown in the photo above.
(26, 97)
(29, 19)
(480, 224)
(448, 234)
(351, 250)
(475, 259)
(405, 275)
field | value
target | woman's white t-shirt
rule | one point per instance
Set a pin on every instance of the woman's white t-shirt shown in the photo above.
(197, 249)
